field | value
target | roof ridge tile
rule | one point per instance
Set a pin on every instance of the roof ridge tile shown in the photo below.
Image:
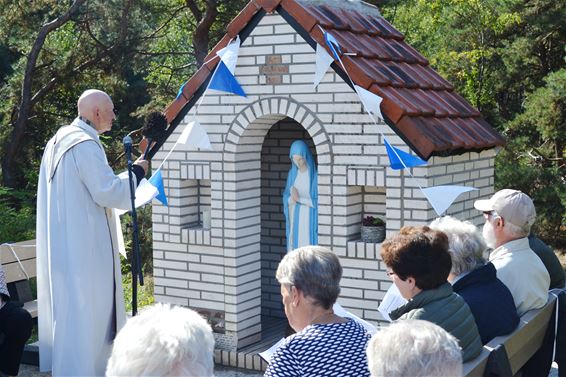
(422, 105)
(300, 14)
(268, 5)
(242, 19)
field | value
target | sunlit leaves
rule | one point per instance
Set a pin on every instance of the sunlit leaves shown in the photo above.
(507, 58)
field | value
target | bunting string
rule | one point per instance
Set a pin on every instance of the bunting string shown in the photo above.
(440, 197)
(223, 80)
(447, 193)
(361, 100)
(199, 102)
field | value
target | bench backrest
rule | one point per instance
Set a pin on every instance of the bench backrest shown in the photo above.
(25, 251)
(527, 338)
(518, 347)
(476, 367)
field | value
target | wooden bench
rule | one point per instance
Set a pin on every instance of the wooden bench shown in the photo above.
(16, 273)
(477, 366)
(506, 355)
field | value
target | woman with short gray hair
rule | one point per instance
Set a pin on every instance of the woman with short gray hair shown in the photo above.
(489, 299)
(317, 272)
(163, 340)
(466, 244)
(414, 347)
(325, 344)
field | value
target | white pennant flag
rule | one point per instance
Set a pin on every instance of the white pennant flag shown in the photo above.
(145, 192)
(442, 197)
(195, 135)
(229, 54)
(372, 102)
(323, 61)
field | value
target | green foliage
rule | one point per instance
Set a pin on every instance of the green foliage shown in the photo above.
(516, 168)
(173, 61)
(145, 292)
(544, 118)
(145, 237)
(507, 58)
(534, 160)
(17, 222)
(461, 38)
(372, 221)
(140, 52)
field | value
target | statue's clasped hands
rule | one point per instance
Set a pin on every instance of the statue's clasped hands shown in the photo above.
(294, 195)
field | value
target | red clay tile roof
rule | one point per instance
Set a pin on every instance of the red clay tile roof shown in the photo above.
(419, 105)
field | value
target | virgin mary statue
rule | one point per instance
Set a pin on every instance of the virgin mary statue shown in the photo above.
(300, 198)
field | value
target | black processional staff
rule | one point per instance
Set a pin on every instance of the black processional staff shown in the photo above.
(153, 129)
(135, 244)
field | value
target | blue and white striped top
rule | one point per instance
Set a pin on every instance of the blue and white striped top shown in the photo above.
(334, 349)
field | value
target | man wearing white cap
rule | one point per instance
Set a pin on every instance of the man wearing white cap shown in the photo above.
(509, 215)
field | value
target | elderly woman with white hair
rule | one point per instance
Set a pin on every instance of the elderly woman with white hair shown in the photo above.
(475, 280)
(414, 348)
(325, 344)
(163, 341)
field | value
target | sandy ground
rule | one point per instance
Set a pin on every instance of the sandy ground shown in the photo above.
(33, 371)
(219, 371)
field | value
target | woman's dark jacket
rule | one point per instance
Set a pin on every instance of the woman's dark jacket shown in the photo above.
(448, 310)
(489, 300)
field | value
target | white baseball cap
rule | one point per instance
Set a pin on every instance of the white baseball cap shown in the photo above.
(514, 206)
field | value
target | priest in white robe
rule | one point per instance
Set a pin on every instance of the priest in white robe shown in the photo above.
(80, 298)
(300, 198)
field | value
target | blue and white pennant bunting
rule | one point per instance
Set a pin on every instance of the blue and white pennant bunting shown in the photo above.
(440, 197)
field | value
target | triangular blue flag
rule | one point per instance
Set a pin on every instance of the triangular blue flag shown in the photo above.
(332, 44)
(401, 160)
(157, 181)
(180, 92)
(225, 81)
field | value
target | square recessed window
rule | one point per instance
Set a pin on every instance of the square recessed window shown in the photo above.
(363, 201)
(195, 203)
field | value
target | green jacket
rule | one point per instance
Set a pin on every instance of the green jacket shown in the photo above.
(448, 310)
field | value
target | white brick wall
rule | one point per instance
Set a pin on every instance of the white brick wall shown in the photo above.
(231, 267)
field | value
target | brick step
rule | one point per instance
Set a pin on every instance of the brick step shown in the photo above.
(273, 329)
(246, 358)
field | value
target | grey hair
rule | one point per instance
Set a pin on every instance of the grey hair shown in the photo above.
(513, 230)
(315, 270)
(414, 347)
(163, 341)
(466, 243)
(516, 231)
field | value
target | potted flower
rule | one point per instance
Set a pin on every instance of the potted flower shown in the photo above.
(373, 229)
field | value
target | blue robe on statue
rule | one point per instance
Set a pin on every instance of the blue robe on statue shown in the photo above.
(301, 217)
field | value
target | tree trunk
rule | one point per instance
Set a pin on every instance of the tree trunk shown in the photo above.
(9, 168)
(201, 37)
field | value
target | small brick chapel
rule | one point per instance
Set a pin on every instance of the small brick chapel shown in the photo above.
(219, 241)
